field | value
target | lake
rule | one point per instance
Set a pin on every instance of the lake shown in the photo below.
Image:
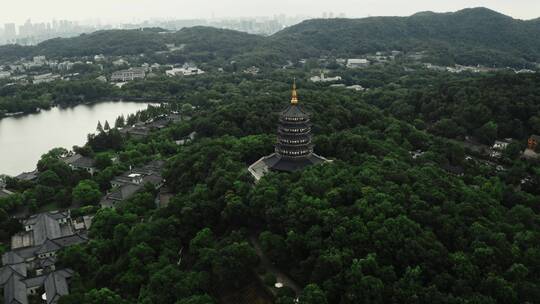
(24, 139)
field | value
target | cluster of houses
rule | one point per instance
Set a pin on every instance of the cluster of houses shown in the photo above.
(29, 268)
(473, 69)
(79, 162)
(322, 78)
(490, 156)
(40, 70)
(358, 63)
(187, 69)
(253, 70)
(132, 181)
(24, 71)
(74, 161)
(130, 74)
(143, 129)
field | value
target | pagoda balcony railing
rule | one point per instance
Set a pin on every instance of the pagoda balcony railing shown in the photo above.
(295, 157)
(286, 132)
(295, 139)
(294, 143)
(294, 122)
(308, 147)
(295, 154)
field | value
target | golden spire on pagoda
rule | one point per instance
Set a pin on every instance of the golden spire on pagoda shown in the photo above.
(294, 98)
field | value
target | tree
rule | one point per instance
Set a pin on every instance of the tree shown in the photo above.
(103, 160)
(198, 299)
(86, 193)
(312, 294)
(120, 122)
(102, 296)
(186, 109)
(48, 178)
(487, 133)
(85, 150)
(106, 127)
(99, 127)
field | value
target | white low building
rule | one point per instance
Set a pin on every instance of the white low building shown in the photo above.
(357, 63)
(184, 71)
(44, 78)
(356, 87)
(120, 62)
(323, 78)
(128, 75)
(502, 144)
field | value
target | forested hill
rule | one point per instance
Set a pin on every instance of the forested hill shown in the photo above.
(470, 36)
(477, 35)
(131, 42)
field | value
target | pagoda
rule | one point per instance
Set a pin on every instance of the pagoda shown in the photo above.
(293, 149)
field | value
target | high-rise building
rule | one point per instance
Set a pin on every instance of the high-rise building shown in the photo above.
(294, 149)
(9, 31)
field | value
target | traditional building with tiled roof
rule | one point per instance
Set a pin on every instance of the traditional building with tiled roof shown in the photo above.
(294, 149)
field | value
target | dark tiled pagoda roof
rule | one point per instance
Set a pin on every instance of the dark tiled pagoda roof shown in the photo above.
(294, 110)
(278, 163)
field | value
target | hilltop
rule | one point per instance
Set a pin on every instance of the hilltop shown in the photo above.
(470, 36)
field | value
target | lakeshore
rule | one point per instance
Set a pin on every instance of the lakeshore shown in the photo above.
(55, 127)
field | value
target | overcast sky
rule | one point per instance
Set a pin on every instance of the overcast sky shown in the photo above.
(129, 10)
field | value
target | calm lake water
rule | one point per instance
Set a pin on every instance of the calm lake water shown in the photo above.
(24, 139)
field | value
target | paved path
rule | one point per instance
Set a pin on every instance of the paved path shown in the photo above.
(280, 276)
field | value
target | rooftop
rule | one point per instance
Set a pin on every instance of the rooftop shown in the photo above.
(278, 163)
(79, 161)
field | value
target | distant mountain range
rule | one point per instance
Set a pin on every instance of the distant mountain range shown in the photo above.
(469, 36)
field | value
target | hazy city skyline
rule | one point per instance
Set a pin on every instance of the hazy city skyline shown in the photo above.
(129, 11)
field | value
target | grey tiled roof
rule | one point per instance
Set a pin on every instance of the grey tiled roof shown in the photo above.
(28, 176)
(275, 162)
(15, 291)
(48, 246)
(45, 226)
(5, 193)
(79, 161)
(295, 111)
(35, 281)
(125, 192)
(154, 179)
(11, 257)
(55, 287)
(126, 186)
(71, 240)
(47, 262)
(8, 271)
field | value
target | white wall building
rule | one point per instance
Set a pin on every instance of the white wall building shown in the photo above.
(357, 63)
(128, 75)
(4, 74)
(184, 71)
(44, 78)
(323, 78)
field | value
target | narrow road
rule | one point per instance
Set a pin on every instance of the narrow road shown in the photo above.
(280, 276)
